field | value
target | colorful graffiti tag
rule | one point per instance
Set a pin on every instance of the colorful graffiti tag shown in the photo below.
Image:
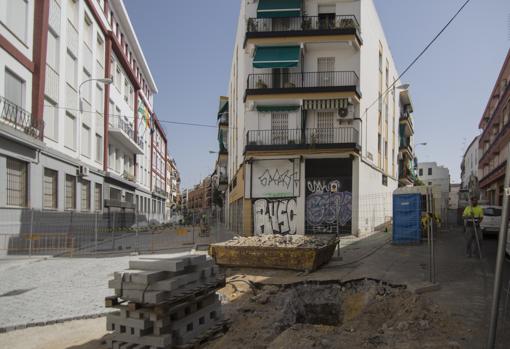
(275, 217)
(328, 209)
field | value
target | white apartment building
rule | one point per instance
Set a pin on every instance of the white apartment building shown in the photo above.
(95, 151)
(432, 174)
(314, 111)
(469, 165)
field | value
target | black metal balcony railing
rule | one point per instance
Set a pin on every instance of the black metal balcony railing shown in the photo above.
(308, 136)
(303, 24)
(20, 119)
(303, 80)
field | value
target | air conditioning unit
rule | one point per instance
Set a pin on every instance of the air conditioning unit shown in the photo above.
(343, 112)
(82, 171)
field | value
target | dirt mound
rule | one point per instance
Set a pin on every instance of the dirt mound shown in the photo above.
(358, 314)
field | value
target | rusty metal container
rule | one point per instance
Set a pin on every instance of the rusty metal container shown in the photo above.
(293, 258)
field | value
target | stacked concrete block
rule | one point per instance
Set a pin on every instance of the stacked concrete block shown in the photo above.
(165, 303)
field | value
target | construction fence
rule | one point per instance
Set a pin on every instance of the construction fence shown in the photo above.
(40, 232)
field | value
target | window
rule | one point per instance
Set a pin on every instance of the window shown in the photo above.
(117, 160)
(99, 148)
(70, 134)
(100, 51)
(98, 196)
(99, 99)
(385, 180)
(86, 88)
(87, 34)
(70, 192)
(85, 140)
(129, 197)
(72, 10)
(50, 191)
(50, 119)
(53, 51)
(71, 69)
(430, 171)
(17, 183)
(14, 89)
(85, 195)
(379, 142)
(115, 194)
(16, 18)
(420, 171)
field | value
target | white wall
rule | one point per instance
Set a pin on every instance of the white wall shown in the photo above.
(470, 161)
(440, 175)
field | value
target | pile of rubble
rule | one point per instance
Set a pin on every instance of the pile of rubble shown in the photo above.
(165, 303)
(292, 241)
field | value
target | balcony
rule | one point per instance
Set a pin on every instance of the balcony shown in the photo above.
(406, 122)
(20, 119)
(405, 146)
(123, 132)
(308, 82)
(285, 27)
(309, 138)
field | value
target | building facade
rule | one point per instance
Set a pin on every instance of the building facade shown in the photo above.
(173, 189)
(406, 157)
(78, 129)
(495, 138)
(220, 175)
(432, 174)
(469, 164)
(313, 119)
(199, 199)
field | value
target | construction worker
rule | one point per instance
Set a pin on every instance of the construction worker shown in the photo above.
(473, 216)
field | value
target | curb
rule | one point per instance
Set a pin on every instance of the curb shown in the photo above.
(52, 322)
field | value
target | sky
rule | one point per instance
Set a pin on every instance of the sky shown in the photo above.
(189, 45)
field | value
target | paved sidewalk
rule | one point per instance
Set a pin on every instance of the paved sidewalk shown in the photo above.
(42, 291)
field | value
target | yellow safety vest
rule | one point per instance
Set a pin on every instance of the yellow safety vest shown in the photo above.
(475, 212)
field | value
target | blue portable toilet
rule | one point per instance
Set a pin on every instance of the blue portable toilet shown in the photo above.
(406, 218)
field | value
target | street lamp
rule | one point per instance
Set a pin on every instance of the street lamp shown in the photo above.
(106, 81)
(213, 152)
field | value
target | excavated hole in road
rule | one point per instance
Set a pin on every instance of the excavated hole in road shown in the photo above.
(327, 303)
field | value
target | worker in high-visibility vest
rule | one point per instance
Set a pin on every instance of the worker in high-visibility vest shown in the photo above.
(473, 216)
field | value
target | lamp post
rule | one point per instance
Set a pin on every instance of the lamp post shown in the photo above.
(107, 81)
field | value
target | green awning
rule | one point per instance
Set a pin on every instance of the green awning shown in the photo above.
(279, 8)
(223, 107)
(276, 56)
(276, 108)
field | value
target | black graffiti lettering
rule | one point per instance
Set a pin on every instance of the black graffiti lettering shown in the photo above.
(275, 217)
(276, 178)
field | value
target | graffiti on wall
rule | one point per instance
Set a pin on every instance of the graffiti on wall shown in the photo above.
(275, 217)
(274, 179)
(328, 206)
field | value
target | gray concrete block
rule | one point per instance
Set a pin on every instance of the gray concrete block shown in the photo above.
(164, 341)
(118, 320)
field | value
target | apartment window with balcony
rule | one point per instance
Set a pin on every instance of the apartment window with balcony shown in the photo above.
(99, 148)
(50, 116)
(14, 88)
(85, 141)
(16, 18)
(70, 192)
(50, 190)
(98, 197)
(70, 134)
(85, 195)
(17, 183)
(279, 128)
(327, 15)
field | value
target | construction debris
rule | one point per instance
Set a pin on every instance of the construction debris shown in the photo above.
(165, 303)
(292, 241)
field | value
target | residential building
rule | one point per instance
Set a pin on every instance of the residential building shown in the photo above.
(406, 157)
(432, 174)
(199, 198)
(173, 190)
(220, 174)
(469, 165)
(495, 138)
(313, 116)
(453, 197)
(71, 140)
